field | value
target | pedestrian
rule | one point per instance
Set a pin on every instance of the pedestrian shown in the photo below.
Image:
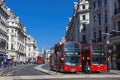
(2, 64)
(8, 63)
(11, 63)
(5, 63)
(87, 67)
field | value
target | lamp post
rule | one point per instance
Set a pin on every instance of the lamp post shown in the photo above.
(108, 53)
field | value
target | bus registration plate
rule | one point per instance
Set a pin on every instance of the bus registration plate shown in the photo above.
(72, 70)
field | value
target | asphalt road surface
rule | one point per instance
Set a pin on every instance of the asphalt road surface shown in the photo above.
(24, 70)
(27, 72)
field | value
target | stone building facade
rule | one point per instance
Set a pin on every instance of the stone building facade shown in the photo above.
(78, 26)
(16, 38)
(3, 30)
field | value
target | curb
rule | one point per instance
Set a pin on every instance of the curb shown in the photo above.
(49, 72)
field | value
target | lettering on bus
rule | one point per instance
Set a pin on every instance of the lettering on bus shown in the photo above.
(98, 54)
(72, 53)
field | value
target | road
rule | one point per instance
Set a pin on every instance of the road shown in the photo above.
(27, 72)
(23, 70)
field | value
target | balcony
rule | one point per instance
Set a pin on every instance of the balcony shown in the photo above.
(83, 11)
(116, 14)
(115, 36)
(84, 21)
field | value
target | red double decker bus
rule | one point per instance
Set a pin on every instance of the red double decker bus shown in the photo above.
(94, 57)
(67, 57)
(40, 60)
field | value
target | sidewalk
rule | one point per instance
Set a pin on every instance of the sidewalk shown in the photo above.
(114, 71)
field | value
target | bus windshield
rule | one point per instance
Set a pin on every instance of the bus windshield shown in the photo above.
(71, 46)
(72, 60)
(98, 54)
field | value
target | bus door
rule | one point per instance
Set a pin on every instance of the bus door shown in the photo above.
(86, 58)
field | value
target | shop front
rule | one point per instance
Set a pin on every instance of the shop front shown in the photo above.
(115, 54)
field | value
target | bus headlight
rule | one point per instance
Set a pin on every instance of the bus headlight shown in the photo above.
(62, 59)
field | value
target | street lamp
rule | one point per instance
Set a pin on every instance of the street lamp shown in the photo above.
(107, 42)
(108, 54)
(109, 49)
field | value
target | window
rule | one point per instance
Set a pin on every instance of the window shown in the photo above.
(118, 3)
(84, 38)
(7, 45)
(115, 7)
(100, 36)
(28, 38)
(94, 5)
(105, 2)
(94, 20)
(105, 16)
(83, 6)
(99, 19)
(7, 30)
(106, 29)
(99, 3)
(11, 46)
(84, 17)
(84, 27)
(12, 30)
(118, 23)
(94, 36)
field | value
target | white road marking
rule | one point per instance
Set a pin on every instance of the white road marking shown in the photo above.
(58, 76)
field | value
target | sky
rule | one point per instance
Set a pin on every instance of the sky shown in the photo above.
(45, 20)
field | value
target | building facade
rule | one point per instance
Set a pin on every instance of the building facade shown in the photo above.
(83, 15)
(115, 37)
(78, 28)
(3, 30)
(97, 21)
(15, 44)
(16, 38)
(105, 27)
(31, 49)
(100, 19)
